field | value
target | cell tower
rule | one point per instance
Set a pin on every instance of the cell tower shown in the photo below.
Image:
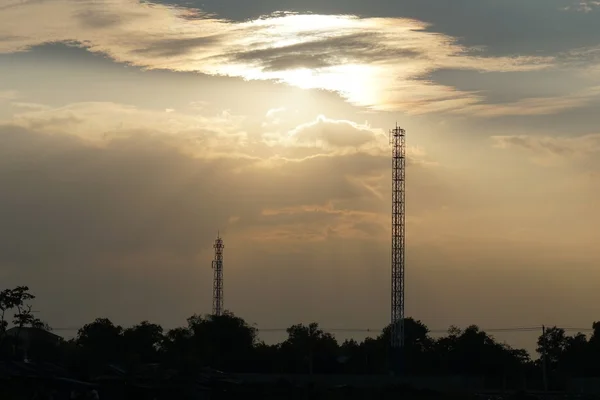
(398, 143)
(217, 266)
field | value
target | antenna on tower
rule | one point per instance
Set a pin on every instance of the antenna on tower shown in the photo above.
(217, 266)
(398, 143)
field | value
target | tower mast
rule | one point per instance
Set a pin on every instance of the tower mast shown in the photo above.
(217, 266)
(398, 143)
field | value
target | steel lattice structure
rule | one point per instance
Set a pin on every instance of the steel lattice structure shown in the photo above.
(398, 143)
(217, 266)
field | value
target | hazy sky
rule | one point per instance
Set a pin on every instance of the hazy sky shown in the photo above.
(131, 132)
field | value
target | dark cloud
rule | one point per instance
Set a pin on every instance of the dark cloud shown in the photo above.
(177, 47)
(70, 200)
(505, 27)
(499, 87)
(558, 146)
(356, 47)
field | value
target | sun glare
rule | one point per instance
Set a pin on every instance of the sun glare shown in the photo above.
(355, 82)
(294, 23)
(291, 37)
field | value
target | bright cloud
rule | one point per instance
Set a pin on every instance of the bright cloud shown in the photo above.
(205, 134)
(100, 122)
(271, 114)
(334, 133)
(584, 6)
(372, 62)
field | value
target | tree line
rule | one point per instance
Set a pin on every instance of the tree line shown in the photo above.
(229, 343)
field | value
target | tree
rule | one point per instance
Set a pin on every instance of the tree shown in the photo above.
(267, 358)
(177, 348)
(101, 341)
(552, 345)
(376, 354)
(416, 353)
(142, 342)
(16, 301)
(473, 352)
(444, 349)
(354, 357)
(576, 359)
(229, 343)
(11, 299)
(25, 318)
(309, 349)
(223, 342)
(594, 350)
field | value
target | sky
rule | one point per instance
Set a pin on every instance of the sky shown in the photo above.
(131, 132)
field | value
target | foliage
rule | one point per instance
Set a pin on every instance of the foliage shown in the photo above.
(16, 301)
(229, 343)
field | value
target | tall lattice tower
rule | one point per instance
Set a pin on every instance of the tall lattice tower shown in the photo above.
(398, 143)
(217, 266)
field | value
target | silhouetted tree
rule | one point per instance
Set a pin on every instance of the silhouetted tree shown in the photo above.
(16, 301)
(224, 342)
(553, 344)
(417, 349)
(142, 343)
(566, 356)
(575, 359)
(177, 350)
(594, 351)
(352, 357)
(376, 352)
(444, 350)
(101, 342)
(230, 344)
(309, 349)
(268, 358)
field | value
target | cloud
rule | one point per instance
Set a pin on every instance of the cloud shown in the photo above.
(100, 122)
(273, 117)
(372, 62)
(29, 106)
(271, 114)
(334, 133)
(585, 6)
(6, 95)
(546, 149)
(533, 106)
